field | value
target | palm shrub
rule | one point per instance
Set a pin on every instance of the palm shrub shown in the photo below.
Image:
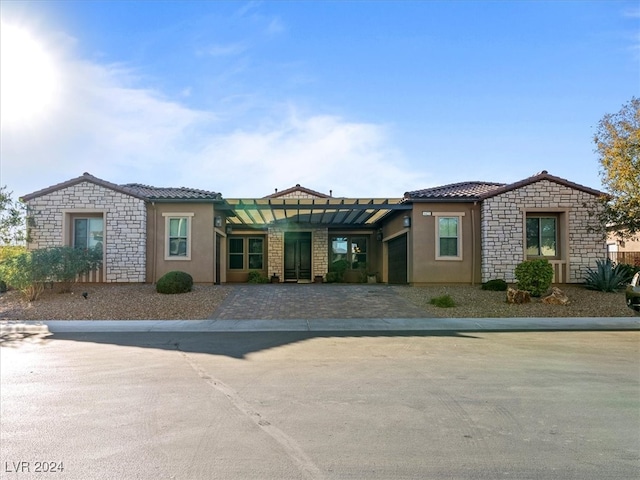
(607, 276)
(174, 282)
(534, 276)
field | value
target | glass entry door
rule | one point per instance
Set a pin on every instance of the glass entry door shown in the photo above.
(297, 256)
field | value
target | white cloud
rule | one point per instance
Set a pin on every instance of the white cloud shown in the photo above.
(107, 125)
(319, 152)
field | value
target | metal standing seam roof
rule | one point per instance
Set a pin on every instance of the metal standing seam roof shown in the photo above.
(251, 212)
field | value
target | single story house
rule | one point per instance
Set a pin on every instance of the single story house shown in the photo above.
(468, 232)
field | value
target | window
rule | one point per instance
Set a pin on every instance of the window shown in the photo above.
(448, 245)
(254, 248)
(352, 249)
(236, 253)
(88, 232)
(542, 236)
(255, 253)
(178, 236)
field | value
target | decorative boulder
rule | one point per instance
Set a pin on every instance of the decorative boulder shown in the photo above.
(557, 297)
(518, 296)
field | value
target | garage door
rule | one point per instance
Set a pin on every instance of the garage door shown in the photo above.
(398, 260)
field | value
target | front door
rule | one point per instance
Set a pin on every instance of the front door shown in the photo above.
(297, 256)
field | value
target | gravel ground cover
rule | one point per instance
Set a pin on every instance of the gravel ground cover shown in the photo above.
(473, 302)
(141, 302)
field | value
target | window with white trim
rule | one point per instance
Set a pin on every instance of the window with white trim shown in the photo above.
(178, 236)
(448, 237)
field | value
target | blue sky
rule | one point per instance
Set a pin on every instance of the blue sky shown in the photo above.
(364, 98)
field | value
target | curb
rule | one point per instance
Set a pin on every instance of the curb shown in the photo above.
(522, 324)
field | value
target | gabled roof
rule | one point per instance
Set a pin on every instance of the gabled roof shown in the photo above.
(478, 191)
(297, 188)
(171, 193)
(143, 192)
(463, 191)
(85, 177)
(543, 175)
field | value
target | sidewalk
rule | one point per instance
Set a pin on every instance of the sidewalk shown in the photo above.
(325, 325)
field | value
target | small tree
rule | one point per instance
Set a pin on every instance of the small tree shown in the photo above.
(617, 142)
(12, 219)
(534, 276)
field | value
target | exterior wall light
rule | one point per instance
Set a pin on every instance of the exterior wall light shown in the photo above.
(406, 221)
(229, 229)
(217, 221)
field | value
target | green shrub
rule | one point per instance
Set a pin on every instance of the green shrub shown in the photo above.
(174, 282)
(256, 276)
(534, 276)
(497, 285)
(607, 277)
(338, 268)
(332, 277)
(27, 272)
(7, 251)
(68, 262)
(443, 301)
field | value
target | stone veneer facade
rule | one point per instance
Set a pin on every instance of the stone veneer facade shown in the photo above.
(319, 251)
(125, 220)
(503, 223)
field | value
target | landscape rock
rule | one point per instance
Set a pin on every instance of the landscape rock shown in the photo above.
(557, 297)
(518, 296)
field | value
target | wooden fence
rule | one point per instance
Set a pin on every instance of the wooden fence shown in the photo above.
(631, 258)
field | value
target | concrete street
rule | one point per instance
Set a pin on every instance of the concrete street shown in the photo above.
(445, 404)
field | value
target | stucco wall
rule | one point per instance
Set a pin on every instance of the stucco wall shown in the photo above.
(124, 224)
(201, 264)
(425, 267)
(503, 225)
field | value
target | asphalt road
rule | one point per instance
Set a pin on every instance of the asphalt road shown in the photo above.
(313, 405)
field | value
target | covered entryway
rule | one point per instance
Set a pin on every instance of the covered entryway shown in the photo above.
(397, 252)
(297, 256)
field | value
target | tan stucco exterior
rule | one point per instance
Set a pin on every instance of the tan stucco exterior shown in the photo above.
(200, 263)
(427, 266)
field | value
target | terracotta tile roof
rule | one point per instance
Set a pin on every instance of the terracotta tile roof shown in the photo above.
(143, 192)
(85, 177)
(454, 191)
(543, 175)
(170, 193)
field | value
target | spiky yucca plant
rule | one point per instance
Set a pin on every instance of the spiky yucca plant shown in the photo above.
(607, 276)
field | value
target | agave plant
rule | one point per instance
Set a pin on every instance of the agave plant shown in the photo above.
(607, 277)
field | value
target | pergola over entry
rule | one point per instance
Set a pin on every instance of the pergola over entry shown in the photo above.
(331, 212)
